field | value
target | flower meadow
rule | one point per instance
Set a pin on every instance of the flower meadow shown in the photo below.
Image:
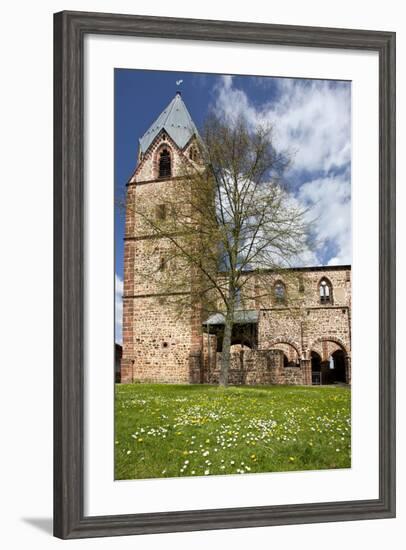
(194, 430)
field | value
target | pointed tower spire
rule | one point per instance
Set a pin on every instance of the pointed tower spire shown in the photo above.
(175, 119)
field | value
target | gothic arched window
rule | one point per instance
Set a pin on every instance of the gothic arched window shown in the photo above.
(279, 291)
(193, 155)
(165, 164)
(325, 290)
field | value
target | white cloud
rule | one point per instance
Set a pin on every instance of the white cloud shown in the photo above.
(230, 101)
(312, 122)
(311, 118)
(118, 309)
(329, 203)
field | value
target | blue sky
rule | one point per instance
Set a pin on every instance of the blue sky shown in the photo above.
(312, 120)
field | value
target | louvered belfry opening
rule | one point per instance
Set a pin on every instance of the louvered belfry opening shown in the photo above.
(165, 164)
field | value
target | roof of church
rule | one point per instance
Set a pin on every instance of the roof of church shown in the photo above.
(174, 119)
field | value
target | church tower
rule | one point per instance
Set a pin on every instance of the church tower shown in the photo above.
(158, 345)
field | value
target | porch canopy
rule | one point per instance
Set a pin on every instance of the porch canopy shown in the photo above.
(244, 327)
(241, 317)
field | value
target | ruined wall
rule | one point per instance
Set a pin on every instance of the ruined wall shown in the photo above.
(331, 325)
(293, 332)
(303, 322)
(253, 367)
(302, 287)
(279, 325)
(249, 367)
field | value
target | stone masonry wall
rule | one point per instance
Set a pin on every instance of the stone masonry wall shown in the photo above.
(254, 367)
(304, 332)
(161, 342)
(249, 367)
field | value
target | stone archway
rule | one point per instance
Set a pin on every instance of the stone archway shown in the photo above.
(291, 356)
(327, 345)
(289, 347)
(335, 363)
(290, 370)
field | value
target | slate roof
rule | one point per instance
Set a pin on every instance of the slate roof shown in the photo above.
(241, 317)
(175, 120)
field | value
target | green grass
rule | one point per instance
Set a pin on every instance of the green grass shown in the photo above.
(179, 430)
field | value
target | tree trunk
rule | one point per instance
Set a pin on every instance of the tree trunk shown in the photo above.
(225, 352)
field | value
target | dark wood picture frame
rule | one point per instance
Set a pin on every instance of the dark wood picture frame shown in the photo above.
(69, 31)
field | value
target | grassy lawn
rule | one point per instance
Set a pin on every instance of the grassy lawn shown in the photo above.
(179, 430)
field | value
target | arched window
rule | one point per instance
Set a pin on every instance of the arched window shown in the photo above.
(279, 291)
(193, 154)
(325, 290)
(164, 164)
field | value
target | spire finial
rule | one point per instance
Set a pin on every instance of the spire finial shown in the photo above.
(178, 83)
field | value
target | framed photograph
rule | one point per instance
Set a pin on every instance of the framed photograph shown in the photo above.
(224, 274)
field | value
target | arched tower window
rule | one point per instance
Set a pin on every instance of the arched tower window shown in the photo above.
(193, 155)
(279, 291)
(325, 291)
(165, 164)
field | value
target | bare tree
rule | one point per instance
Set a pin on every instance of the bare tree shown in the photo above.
(227, 223)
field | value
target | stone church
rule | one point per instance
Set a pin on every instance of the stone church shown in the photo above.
(271, 343)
